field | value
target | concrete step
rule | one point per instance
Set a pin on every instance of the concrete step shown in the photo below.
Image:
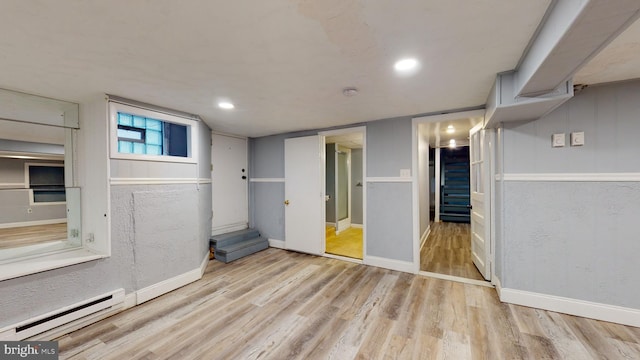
(233, 237)
(237, 250)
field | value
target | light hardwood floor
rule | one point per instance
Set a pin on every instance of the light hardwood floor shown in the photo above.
(447, 251)
(347, 243)
(29, 235)
(284, 305)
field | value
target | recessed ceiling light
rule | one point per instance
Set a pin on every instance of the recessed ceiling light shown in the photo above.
(452, 143)
(406, 65)
(226, 105)
(450, 129)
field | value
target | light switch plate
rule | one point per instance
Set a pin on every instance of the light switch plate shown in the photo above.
(577, 138)
(405, 172)
(558, 140)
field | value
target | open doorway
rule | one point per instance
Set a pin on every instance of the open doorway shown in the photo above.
(344, 187)
(444, 204)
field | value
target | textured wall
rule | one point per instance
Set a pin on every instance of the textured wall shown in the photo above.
(388, 147)
(576, 239)
(157, 231)
(267, 206)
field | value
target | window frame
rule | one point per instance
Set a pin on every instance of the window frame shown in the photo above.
(27, 184)
(191, 125)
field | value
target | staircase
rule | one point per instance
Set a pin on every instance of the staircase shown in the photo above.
(454, 198)
(234, 245)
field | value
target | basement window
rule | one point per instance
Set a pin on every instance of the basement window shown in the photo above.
(142, 134)
(46, 182)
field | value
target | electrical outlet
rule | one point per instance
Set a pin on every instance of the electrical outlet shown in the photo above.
(558, 140)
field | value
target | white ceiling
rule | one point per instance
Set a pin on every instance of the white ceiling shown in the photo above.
(620, 60)
(438, 135)
(282, 62)
(353, 140)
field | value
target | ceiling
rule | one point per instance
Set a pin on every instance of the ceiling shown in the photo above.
(439, 136)
(353, 140)
(620, 60)
(283, 63)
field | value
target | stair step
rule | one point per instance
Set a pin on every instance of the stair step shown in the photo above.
(241, 249)
(233, 237)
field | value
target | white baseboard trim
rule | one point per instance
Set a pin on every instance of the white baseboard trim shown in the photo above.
(588, 309)
(155, 181)
(33, 223)
(130, 300)
(330, 224)
(423, 238)
(228, 228)
(455, 278)
(278, 244)
(391, 264)
(498, 285)
(163, 287)
(343, 258)
(357, 226)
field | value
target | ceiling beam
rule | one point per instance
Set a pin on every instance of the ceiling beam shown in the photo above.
(573, 33)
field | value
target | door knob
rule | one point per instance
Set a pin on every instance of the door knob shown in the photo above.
(286, 202)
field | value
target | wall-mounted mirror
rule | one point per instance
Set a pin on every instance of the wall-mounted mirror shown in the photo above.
(39, 205)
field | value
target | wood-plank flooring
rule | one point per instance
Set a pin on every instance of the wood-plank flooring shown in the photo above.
(284, 305)
(447, 251)
(30, 235)
(347, 243)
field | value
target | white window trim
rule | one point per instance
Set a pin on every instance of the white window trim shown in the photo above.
(28, 184)
(192, 134)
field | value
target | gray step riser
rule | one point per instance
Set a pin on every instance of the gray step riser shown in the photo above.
(228, 257)
(229, 240)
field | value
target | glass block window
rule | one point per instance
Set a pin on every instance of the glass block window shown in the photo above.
(147, 136)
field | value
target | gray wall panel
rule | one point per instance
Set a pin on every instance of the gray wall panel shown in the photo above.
(607, 115)
(268, 208)
(356, 177)
(573, 239)
(389, 221)
(152, 169)
(388, 147)
(330, 182)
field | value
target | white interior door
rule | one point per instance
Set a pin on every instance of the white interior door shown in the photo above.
(229, 179)
(480, 141)
(303, 192)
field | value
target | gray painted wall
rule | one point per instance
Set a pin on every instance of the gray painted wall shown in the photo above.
(356, 191)
(423, 180)
(388, 205)
(330, 182)
(14, 202)
(158, 232)
(575, 239)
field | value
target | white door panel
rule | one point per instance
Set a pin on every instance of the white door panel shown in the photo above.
(303, 188)
(479, 147)
(229, 188)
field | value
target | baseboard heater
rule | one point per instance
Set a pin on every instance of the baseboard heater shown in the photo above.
(65, 315)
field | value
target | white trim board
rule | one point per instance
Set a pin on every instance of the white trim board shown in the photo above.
(357, 226)
(33, 223)
(13, 186)
(571, 177)
(343, 258)
(267, 180)
(389, 179)
(156, 181)
(278, 244)
(391, 264)
(588, 309)
(425, 235)
(229, 228)
(455, 278)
